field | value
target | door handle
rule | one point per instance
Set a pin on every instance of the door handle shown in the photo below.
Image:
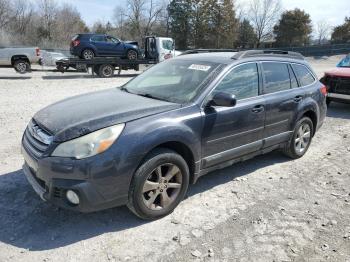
(258, 109)
(298, 99)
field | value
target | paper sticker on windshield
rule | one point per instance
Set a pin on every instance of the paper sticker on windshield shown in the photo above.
(204, 68)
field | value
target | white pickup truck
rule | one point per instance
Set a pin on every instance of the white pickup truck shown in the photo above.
(20, 58)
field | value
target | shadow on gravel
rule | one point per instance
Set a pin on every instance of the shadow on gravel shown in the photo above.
(61, 76)
(339, 110)
(15, 77)
(27, 222)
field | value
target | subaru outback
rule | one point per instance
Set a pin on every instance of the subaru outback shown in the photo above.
(144, 143)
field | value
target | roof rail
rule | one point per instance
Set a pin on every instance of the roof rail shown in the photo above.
(197, 51)
(276, 53)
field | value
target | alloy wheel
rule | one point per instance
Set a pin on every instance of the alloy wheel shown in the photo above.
(162, 186)
(88, 54)
(303, 138)
(22, 67)
(132, 55)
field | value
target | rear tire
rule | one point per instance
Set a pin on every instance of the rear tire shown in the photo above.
(301, 140)
(21, 66)
(159, 184)
(87, 54)
(106, 71)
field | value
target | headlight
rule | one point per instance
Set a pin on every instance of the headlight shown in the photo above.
(91, 144)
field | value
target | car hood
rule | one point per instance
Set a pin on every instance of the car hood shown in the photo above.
(80, 115)
(339, 71)
(131, 43)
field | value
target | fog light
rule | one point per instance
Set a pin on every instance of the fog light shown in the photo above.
(72, 197)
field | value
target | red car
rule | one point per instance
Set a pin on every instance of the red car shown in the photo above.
(337, 81)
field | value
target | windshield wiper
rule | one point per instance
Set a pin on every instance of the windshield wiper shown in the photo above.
(151, 96)
(125, 90)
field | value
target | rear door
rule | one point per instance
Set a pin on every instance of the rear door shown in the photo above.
(282, 95)
(230, 132)
(99, 42)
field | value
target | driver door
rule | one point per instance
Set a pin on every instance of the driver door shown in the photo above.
(231, 132)
(114, 47)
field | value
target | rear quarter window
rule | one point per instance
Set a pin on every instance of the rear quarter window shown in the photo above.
(303, 74)
(98, 38)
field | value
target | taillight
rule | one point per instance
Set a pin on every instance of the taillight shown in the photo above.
(76, 42)
(323, 90)
(37, 52)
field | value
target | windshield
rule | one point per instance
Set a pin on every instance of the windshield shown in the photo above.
(177, 81)
(345, 62)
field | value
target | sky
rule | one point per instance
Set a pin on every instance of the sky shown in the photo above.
(332, 11)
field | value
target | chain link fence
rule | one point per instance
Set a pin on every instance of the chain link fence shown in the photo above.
(319, 50)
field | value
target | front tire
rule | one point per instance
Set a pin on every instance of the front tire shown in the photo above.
(301, 140)
(131, 55)
(159, 184)
(21, 66)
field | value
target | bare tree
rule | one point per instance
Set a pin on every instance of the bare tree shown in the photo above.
(142, 15)
(323, 31)
(5, 13)
(69, 23)
(22, 17)
(47, 10)
(264, 14)
(120, 21)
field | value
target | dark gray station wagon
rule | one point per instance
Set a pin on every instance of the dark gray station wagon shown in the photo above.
(144, 143)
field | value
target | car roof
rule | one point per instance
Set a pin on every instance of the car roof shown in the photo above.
(91, 34)
(229, 58)
(215, 57)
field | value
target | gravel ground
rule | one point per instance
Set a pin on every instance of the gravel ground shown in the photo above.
(266, 209)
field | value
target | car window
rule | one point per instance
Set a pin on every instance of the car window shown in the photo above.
(167, 44)
(242, 81)
(303, 74)
(98, 38)
(276, 77)
(293, 79)
(345, 62)
(112, 40)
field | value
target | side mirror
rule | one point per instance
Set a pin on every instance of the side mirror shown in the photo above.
(223, 99)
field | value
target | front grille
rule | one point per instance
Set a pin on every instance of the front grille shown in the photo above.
(57, 192)
(36, 140)
(340, 85)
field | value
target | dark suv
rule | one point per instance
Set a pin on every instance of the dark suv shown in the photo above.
(142, 144)
(88, 46)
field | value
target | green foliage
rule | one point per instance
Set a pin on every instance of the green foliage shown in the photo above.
(294, 28)
(180, 15)
(203, 23)
(247, 37)
(341, 34)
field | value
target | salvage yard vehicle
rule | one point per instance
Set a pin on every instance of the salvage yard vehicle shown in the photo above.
(156, 49)
(20, 58)
(88, 46)
(144, 143)
(337, 81)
